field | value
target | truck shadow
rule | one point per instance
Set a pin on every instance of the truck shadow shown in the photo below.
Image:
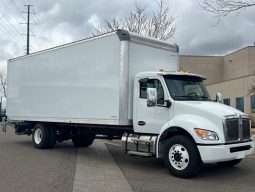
(59, 146)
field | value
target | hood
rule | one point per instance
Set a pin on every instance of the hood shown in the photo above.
(209, 107)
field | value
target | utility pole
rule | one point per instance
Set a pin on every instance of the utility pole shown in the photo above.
(28, 26)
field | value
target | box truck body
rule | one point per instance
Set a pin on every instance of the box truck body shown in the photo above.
(89, 81)
(127, 85)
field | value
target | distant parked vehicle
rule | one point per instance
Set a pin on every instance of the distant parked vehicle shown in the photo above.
(2, 107)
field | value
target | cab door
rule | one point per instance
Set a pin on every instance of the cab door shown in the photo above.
(151, 119)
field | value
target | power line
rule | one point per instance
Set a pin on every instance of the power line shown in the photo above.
(8, 23)
(5, 24)
(9, 10)
(17, 8)
(9, 34)
(8, 20)
(12, 31)
(40, 42)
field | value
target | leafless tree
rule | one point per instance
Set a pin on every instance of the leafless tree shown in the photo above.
(3, 80)
(251, 90)
(156, 23)
(222, 8)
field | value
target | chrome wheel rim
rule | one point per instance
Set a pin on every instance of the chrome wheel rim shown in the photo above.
(38, 136)
(178, 157)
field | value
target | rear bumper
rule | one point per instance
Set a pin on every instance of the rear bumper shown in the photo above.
(219, 153)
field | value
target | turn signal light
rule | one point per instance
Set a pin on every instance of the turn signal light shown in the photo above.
(206, 134)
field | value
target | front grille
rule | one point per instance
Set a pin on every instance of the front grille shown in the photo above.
(237, 129)
(232, 129)
(246, 128)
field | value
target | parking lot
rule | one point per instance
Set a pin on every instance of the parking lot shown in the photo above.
(25, 169)
(147, 174)
(103, 167)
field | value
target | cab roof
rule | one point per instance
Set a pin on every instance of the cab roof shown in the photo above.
(161, 73)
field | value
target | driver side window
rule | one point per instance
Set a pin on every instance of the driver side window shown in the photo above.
(152, 83)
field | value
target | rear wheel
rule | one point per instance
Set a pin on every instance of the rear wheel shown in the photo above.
(230, 163)
(181, 156)
(83, 140)
(53, 137)
(41, 136)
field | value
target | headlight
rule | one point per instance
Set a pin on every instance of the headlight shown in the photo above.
(206, 134)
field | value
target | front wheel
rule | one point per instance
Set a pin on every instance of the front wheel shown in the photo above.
(181, 156)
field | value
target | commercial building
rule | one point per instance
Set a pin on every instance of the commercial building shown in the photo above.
(232, 75)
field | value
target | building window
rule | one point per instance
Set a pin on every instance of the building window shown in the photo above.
(253, 103)
(240, 103)
(226, 102)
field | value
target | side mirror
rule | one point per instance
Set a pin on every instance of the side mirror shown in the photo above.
(168, 104)
(151, 97)
(219, 97)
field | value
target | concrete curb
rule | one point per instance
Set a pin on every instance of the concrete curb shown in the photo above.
(97, 171)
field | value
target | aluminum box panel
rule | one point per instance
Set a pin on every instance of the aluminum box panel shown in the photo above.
(77, 83)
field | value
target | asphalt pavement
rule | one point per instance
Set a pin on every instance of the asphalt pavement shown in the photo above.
(150, 175)
(104, 167)
(26, 169)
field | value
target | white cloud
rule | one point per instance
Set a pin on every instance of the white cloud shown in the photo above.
(62, 21)
(94, 20)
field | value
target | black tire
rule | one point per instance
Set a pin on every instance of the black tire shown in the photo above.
(184, 160)
(41, 136)
(53, 137)
(83, 140)
(229, 163)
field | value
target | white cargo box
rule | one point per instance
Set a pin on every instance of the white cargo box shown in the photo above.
(88, 81)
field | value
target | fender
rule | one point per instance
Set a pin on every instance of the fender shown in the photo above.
(188, 123)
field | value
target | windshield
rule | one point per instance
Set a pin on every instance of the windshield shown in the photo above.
(189, 88)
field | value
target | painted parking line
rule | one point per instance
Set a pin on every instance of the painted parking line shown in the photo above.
(97, 171)
(112, 143)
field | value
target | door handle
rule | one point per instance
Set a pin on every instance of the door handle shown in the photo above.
(141, 123)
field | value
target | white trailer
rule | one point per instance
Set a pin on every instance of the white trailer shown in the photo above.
(124, 84)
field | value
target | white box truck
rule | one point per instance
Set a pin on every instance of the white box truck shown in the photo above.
(128, 85)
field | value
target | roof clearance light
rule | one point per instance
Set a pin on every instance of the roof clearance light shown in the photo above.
(182, 71)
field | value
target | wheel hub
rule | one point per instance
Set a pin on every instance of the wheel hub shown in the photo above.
(38, 136)
(179, 157)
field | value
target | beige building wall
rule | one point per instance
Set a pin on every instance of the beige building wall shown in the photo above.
(221, 68)
(239, 64)
(208, 66)
(233, 89)
(231, 75)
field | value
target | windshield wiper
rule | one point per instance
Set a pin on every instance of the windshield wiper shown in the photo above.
(192, 97)
(204, 97)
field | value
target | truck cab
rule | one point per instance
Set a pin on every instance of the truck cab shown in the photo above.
(175, 118)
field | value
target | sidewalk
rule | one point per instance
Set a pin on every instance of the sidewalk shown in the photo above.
(97, 171)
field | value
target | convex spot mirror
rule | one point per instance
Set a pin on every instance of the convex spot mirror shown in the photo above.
(219, 97)
(151, 97)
